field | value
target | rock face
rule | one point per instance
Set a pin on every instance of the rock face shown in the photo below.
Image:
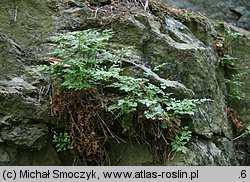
(233, 11)
(23, 132)
(187, 58)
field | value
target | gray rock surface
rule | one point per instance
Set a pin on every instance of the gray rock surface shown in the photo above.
(25, 136)
(232, 11)
(23, 132)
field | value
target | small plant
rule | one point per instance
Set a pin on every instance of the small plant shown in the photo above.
(244, 134)
(247, 132)
(140, 94)
(234, 77)
(185, 106)
(84, 54)
(178, 145)
(228, 38)
(229, 62)
(235, 87)
(231, 35)
(62, 141)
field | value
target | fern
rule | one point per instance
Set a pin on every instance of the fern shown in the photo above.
(91, 62)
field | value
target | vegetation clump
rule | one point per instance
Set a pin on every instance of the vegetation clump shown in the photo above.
(233, 73)
(98, 101)
(62, 141)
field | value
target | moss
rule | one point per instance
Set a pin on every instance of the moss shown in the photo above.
(188, 16)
